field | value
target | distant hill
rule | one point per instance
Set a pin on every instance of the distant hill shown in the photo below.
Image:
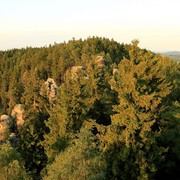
(174, 55)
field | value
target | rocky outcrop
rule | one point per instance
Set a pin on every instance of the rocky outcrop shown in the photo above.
(77, 71)
(17, 113)
(4, 118)
(115, 75)
(101, 61)
(4, 124)
(51, 89)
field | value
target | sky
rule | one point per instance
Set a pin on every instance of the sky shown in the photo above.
(37, 23)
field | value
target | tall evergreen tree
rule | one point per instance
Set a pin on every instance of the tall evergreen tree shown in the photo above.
(75, 98)
(32, 132)
(141, 86)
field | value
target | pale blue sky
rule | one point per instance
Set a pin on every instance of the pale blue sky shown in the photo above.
(156, 23)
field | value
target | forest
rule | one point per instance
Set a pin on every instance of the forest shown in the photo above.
(89, 109)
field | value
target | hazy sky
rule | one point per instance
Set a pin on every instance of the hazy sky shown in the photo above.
(156, 23)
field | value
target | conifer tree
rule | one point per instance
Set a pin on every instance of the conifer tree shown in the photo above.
(11, 164)
(103, 95)
(170, 139)
(135, 110)
(81, 160)
(75, 98)
(32, 132)
(141, 86)
(31, 135)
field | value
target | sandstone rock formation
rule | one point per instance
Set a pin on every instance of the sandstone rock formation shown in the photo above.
(4, 124)
(51, 89)
(77, 71)
(100, 61)
(115, 75)
(17, 113)
(4, 117)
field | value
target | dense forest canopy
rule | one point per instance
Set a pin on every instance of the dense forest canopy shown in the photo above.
(89, 109)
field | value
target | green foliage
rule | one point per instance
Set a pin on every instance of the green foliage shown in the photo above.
(11, 164)
(103, 95)
(170, 138)
(75, 98)
(19, 65)
(141, 86)
(81, 160)
(31, 136)
(81, 97)
(130, 95)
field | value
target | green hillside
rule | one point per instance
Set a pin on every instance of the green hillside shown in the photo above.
(89, 109)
